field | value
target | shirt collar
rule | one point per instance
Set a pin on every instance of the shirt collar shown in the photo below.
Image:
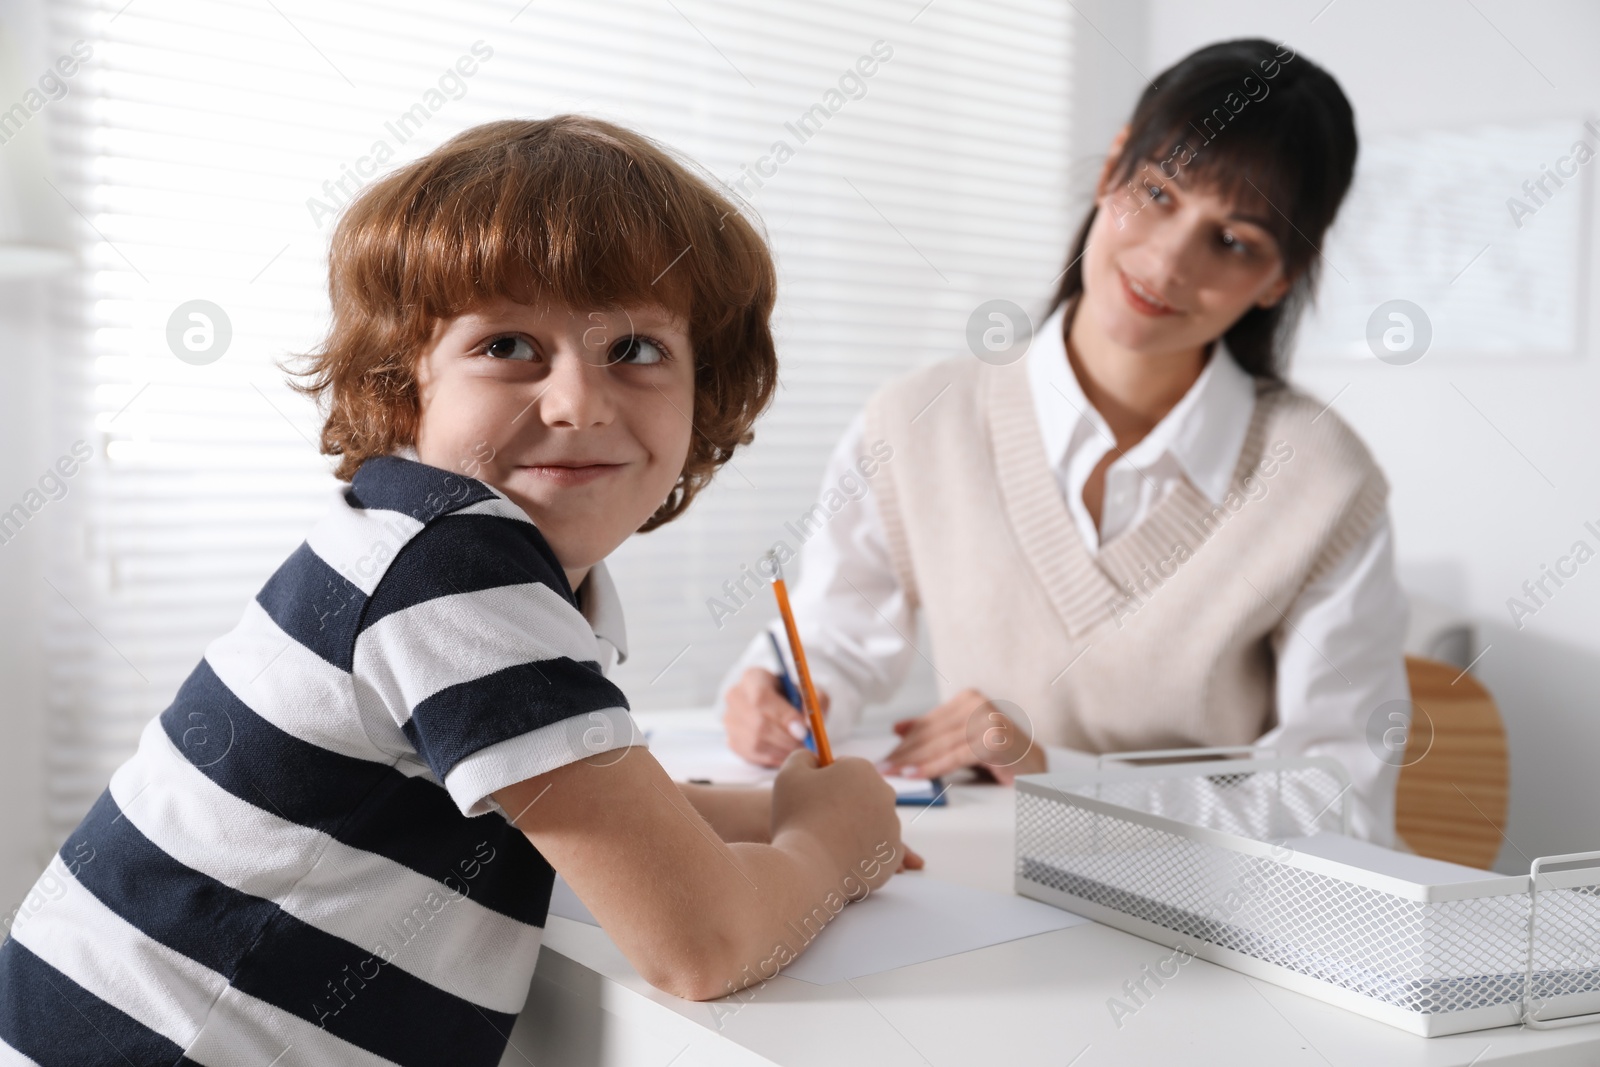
(602, 607)
(1204, 431)
(1058, 399)
(598, 601)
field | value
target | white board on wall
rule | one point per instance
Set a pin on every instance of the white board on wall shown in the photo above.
(1442, 218)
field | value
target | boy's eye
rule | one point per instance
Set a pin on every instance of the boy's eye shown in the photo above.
(509, 347)
(637, 350)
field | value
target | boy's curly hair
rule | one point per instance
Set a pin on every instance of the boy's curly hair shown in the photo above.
(571, 210)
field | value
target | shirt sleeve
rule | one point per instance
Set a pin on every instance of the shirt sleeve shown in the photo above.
(472, 646)
(1340, 665)
(853, 617)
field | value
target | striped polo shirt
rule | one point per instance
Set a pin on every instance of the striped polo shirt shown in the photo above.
(302, 863)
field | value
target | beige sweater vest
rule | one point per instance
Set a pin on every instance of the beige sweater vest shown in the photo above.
(1167, 637)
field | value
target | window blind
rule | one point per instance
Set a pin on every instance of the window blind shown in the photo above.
(204, 148)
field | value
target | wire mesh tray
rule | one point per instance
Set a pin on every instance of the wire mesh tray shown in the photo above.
(1198, 854)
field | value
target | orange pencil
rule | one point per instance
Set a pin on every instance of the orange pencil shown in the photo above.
(808, 694)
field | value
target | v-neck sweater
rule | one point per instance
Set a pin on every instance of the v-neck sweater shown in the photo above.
(1166, 636)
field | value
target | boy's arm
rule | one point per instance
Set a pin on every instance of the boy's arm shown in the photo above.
(735, 812)
(698, 917)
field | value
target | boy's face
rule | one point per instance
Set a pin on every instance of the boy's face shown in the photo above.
(581, 418)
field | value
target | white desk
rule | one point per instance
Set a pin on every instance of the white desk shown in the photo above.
(1040, 1000)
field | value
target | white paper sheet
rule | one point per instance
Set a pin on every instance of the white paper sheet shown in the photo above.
(703, 754)
(912, 919)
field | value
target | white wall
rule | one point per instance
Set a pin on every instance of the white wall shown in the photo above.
(24, 452)
(26, 448)
(1108, 74)
(1474, 519)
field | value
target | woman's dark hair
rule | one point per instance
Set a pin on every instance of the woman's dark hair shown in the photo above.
(1262, 127)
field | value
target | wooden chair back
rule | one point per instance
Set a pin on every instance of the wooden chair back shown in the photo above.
(1454, 787)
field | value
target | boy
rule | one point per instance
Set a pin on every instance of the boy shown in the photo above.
(341, 837)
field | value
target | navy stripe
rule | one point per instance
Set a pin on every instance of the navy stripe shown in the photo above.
(463, 554)
(315, 605)
(269, 954)
(416, 489)
(365, 805)
(321, 608)
(55, 1022)
(183, 909)
(457, 721)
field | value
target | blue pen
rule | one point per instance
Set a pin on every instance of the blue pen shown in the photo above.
(935, 797)
(790, 692)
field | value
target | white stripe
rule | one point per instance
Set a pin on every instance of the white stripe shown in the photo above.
(299, 692)
(501, 506)
(360, 544)
(412, 766)
(95, 947)
(516, 759)
(168, 992)
(410, 655)
(243, 1031)
(605, 618)
(437, 934)
(10, 1057)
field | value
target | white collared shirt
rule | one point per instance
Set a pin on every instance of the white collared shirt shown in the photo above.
(1339, 655)
(1199, 439)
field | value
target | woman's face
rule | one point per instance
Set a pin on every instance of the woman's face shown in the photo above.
(1169, 265)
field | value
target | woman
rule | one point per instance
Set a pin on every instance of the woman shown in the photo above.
(1136, 536)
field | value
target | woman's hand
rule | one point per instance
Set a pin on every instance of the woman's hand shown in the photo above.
(762, 725)
(968, 730)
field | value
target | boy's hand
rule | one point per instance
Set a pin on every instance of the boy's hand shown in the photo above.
(842, 815)
(763, 727)
(690, 911)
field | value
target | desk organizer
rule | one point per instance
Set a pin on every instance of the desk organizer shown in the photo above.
(1196, 854)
